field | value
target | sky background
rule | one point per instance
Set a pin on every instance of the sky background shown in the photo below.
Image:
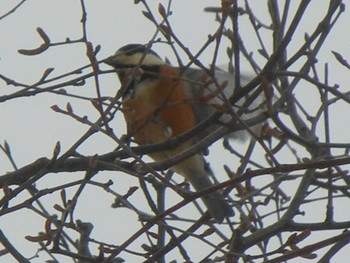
(32, 128)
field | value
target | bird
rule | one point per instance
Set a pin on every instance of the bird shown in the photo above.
(161, 101)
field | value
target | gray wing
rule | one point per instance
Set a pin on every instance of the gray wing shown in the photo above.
(212, 95)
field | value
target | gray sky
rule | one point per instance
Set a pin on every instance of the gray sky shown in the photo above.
(32, 128)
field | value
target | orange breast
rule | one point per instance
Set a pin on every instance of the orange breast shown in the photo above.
(160, 110)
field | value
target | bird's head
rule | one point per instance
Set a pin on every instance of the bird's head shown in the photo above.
(133, 55)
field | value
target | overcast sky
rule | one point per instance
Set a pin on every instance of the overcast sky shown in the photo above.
(32, 128)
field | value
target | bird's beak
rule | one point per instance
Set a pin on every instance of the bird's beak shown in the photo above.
(111, 61)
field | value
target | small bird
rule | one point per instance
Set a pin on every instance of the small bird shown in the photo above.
(161, 101)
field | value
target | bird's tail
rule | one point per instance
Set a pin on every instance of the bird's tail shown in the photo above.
(215, 202)
(193, 169)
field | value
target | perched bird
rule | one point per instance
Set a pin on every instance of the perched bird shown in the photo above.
(161, 101)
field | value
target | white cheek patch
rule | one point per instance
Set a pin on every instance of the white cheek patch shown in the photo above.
(139, 59)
